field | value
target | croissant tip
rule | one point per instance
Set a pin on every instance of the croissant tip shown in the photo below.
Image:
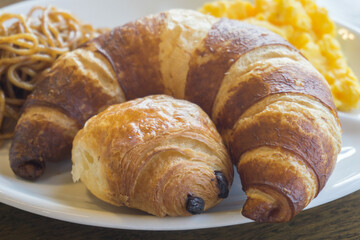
(30, 170)
(261, 210)
(194, 205)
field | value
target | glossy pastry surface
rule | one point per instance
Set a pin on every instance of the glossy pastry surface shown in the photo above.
(270, 105)
(157, 154)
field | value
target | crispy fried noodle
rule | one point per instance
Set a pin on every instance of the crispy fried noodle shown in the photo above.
(28, 46)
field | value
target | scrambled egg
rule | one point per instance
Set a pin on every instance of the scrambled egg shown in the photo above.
(307, 27)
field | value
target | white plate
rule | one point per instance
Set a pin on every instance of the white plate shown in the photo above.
(57, 197)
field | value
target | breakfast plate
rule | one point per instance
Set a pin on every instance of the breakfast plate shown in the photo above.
(56, 196)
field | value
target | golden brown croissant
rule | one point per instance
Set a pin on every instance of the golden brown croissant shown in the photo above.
(157, 154)
(273, 109)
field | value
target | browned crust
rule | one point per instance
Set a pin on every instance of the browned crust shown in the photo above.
(133, 51)
(48, 142)
(74, 95)
(225, 43)
(284, 79)
(292, 133)
(282, 179)
(38, 141)
(282, 210)
(155, 151)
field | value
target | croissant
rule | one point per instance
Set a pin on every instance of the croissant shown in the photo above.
(274, 111)
(157, 154)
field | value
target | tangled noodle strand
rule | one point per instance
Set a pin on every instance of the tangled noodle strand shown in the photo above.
(28, 47)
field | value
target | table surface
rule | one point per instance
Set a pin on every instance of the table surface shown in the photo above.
(339, 219)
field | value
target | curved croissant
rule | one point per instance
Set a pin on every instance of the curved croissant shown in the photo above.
(273, 109)
(157, 154)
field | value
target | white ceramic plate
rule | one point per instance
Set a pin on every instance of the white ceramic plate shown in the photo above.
(56, 196)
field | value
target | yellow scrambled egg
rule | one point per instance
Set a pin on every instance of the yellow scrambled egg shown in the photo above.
(306, 26)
